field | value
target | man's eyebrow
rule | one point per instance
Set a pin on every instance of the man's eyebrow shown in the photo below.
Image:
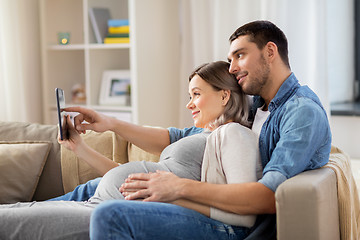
(235, 52)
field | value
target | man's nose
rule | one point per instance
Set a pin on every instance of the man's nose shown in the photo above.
(234, 68)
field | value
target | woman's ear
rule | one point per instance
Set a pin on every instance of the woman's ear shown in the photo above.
(225, 96)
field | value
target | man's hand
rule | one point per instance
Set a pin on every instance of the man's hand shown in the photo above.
(152, 187)
(93, 120)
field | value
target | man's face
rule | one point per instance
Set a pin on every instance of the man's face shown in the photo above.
(248, 64)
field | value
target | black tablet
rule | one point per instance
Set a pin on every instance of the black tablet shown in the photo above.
(60, 100)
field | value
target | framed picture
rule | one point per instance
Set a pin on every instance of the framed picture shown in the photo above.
(115, 87)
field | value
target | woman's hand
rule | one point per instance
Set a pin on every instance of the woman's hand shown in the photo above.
(74, 141)
(93, 120)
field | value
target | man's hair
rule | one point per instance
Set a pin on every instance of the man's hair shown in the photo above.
(262, 32)
(217, 75)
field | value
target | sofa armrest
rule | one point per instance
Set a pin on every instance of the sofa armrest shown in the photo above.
(307, 206)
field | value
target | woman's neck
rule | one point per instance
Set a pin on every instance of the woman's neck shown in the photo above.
(211, 127)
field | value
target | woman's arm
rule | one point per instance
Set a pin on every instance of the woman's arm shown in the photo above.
(76, 144)
(150, 139)
(96, 160)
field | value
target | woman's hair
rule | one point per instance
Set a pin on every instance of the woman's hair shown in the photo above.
(217, 75)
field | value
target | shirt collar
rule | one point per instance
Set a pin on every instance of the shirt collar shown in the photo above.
(284, 92)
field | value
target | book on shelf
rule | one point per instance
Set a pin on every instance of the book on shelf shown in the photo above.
(99, 18)
(110, 40)
(118, 22)
(117, 30)
(119, 35)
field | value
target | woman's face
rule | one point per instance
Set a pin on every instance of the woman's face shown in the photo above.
(206, 104)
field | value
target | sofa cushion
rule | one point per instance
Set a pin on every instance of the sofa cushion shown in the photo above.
(50, 182)
(75, 171)
(137, 154)
(21, 164)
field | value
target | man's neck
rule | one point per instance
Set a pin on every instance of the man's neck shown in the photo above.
(275, 83)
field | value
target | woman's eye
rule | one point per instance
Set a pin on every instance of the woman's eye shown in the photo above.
(240, 55)
(193, 95)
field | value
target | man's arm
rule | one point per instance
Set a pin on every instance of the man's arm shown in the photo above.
(241, 198)
(201, 208)
(303, 142)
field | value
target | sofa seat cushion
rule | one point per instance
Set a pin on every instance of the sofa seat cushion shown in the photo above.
(21, 164)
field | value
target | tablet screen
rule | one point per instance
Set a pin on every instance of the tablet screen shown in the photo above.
(60, 99)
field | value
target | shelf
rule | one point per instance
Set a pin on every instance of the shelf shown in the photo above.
(89, 46)
(67, 47)
(109, 46)
(83, 61)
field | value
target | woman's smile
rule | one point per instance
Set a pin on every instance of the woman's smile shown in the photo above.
(195, 114)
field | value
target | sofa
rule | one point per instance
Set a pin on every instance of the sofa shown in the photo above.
(33, 166)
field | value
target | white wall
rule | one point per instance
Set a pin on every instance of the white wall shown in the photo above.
(20, 76)
(157, 60)
(340, 18)
(346, 134)
(345, 130)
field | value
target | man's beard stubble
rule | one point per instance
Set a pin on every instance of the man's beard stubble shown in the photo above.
(256, 84)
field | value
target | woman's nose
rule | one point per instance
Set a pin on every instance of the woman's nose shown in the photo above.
(190, 104)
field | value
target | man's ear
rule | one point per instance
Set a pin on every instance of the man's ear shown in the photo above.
(271, 51)
(225, 96)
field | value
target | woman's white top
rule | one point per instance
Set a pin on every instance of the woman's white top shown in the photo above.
(231, 156)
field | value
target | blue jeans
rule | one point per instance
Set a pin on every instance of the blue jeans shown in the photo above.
(81, 193)
(119, 219)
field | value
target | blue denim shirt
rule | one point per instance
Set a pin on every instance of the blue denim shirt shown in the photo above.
(296, 136)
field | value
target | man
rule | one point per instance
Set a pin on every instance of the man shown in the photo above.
(294, 136)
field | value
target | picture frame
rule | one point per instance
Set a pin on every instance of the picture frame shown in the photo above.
(115, 87)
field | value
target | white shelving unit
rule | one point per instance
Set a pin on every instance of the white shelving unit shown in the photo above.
(152, 57)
